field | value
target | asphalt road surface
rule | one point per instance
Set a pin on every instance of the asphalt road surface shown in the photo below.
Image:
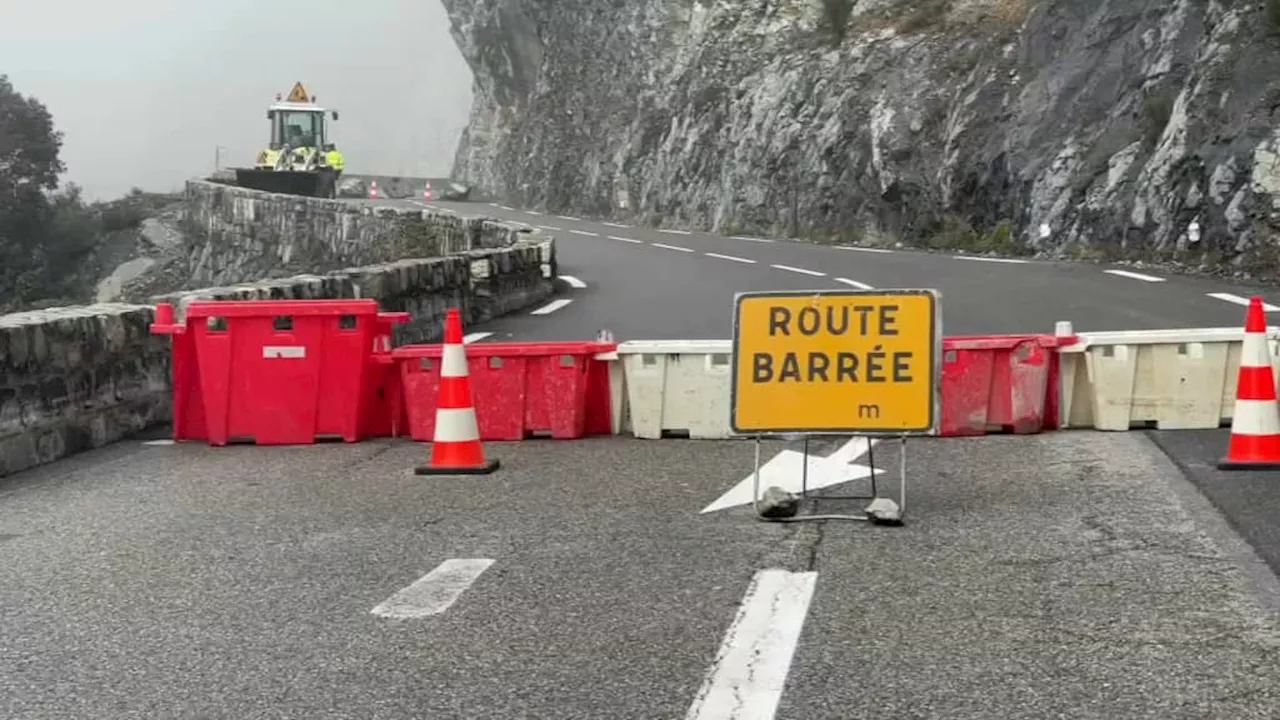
(1061, 575)
(649, 284)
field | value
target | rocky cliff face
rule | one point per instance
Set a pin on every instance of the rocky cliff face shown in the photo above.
(1144, 128)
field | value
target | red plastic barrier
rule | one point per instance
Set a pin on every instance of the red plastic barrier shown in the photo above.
(1000, 383)
(519, 388)
(278, 371)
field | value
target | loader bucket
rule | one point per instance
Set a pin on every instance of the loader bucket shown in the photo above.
(316, 183)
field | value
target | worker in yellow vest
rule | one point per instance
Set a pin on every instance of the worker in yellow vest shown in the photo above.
(333, 159)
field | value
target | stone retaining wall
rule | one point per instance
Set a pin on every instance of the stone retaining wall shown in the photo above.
(235, 235)
(77, 378)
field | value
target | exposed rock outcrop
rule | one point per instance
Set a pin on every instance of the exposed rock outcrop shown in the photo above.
(1098, 126)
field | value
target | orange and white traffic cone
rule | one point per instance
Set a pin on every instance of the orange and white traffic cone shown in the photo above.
(373, 189)
(426, 193)
(456, 449)
(1255, 424)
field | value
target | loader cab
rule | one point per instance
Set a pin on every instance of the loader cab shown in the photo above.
(297, 121)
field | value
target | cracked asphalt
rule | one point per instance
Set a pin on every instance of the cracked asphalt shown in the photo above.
(1059, 575)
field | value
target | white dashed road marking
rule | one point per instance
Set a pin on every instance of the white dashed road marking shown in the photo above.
(864, 249)
(548, 227)
(533, 212)
(671, 247)
(159, 443)
(976, 258)
(551, 307)
(504, 207)
(854, 283)
(1237, 300)
(675, 232)
(734, 258)
(475, 337)
(567, 217)
(584, 232)
(434, 592)
(615, 225)
(624, 239)
(572, 281)
(802, 271)
(1134, 275)
(751, 239)
(751, 668)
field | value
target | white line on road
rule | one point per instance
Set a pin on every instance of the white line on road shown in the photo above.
(159, 443)
(734, 258)
(675, 232)
(493, 204)
(1236, 299)
(751, 668)
(802, 271)
(533, 212)
(504, 207)
(573, 281)
(978, 258)
(548, 227)
(584, 232)
(551, 307)
(863, 249)
(1134, 275)
(624, 239)
(671, 247)
(751, 239)
(854, 283)
(617, 225)
(567, 217)
(475, 337)
(434, 592)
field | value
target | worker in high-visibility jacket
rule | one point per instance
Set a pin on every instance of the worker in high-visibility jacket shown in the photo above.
(333, 159)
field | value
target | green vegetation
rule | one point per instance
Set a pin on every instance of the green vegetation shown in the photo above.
(1157, 108)
(928, 14)
(49, 236)
(954, 233)
(835, 18)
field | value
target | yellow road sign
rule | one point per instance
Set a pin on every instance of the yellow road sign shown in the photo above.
(298, 94)
(836, 362)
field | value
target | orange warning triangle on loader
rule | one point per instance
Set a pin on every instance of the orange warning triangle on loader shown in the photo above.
(1255, 423)
(298, 94)
(456, 449)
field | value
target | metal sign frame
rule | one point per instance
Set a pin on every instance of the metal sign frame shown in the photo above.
(935, 363)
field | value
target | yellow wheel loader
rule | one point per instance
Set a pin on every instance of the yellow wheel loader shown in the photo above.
(294, 163)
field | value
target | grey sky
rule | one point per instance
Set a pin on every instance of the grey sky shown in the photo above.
(144, 90)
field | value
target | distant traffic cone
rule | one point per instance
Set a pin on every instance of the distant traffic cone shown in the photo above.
(426, 194)
(373, 189)
(455, 449)
(1255, 424)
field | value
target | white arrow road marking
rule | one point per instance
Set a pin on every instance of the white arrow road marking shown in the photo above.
(784, 470)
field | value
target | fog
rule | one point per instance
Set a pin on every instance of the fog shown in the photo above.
(151, 92)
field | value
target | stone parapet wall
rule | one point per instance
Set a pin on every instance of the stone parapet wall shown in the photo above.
(77, 378)
(235, 235)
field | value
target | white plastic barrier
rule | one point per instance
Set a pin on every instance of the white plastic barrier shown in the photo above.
(672, 388)
(1169, 379)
